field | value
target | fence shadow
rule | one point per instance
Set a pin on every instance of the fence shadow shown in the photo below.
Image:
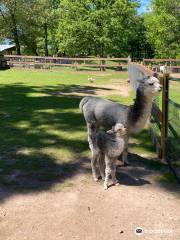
(30, 123)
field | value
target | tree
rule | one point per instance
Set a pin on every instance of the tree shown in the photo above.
(47, 20)
(162, 26)
(28, 23)
(100, 27)
(138, 43)
(10, 14)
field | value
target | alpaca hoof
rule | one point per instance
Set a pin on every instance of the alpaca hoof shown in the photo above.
(96, 179)
(105, 187)
(117, 184)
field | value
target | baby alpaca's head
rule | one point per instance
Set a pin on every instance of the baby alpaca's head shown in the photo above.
(118, 129)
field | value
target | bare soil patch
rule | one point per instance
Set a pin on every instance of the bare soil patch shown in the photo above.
(115, 88)
(84, 210)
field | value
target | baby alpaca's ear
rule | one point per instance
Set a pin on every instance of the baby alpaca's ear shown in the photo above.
(111, 131)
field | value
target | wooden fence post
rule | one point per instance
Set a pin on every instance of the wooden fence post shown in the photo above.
(164, 125)
(129, 59)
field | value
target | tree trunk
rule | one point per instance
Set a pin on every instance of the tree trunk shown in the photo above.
(46, 39)
(15, 35)
(34, 49)
(103, 68)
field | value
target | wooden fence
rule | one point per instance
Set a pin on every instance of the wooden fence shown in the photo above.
(49, 62)
(159, 113)
(165, 127)
(173, 65)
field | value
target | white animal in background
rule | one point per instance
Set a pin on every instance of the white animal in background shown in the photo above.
(163, 68)
(91, 79)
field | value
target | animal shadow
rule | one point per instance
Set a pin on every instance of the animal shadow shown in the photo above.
(135, 173)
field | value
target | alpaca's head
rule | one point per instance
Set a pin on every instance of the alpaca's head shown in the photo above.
(118, 129)
(150, 86)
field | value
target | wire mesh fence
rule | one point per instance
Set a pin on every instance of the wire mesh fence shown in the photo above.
(165, 117)
(165, 132)
(173, 138)
(155, 129)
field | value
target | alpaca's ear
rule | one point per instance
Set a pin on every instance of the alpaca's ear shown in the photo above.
(111, 131)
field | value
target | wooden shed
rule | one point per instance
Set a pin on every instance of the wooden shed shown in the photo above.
(7, 49)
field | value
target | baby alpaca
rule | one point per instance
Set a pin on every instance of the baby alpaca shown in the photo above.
(106, 148)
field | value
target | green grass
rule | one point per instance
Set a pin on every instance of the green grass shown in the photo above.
(42, 132)
(47, 77)
(174, 90)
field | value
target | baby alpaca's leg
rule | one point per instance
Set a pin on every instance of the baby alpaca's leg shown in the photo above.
(107, 172)
(102, 165)
(113, 173)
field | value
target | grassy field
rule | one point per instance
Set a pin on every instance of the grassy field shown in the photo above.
(174, 91)
(42, 132)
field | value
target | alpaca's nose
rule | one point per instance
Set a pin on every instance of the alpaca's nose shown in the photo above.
(160, 87)
(124, 131)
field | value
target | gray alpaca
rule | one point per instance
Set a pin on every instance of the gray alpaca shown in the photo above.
(105, 113)
(105, 151)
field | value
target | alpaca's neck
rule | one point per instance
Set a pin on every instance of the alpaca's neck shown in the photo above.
(139, 112)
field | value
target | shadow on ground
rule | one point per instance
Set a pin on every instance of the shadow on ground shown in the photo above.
(32, 120)
(136, 172)
(143, 171)
(73, 89)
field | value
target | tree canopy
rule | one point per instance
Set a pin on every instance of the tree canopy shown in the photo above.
(163, 27)
(91, 27)
(99, 27)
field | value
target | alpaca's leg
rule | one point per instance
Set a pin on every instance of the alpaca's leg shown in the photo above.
(102, 165)
(113, 173)
(107, 172)
(94, 160)
(125, 152)
(91, 134)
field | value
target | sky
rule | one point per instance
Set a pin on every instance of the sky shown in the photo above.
(144, 3)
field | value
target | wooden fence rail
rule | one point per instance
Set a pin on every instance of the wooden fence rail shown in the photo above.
(161, 60)
(38, 61)
(172, 65)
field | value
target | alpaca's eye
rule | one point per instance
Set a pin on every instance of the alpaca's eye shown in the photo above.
(151, 84)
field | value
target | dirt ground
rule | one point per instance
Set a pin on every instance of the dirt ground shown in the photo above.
(83, 210)
(114, 88)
